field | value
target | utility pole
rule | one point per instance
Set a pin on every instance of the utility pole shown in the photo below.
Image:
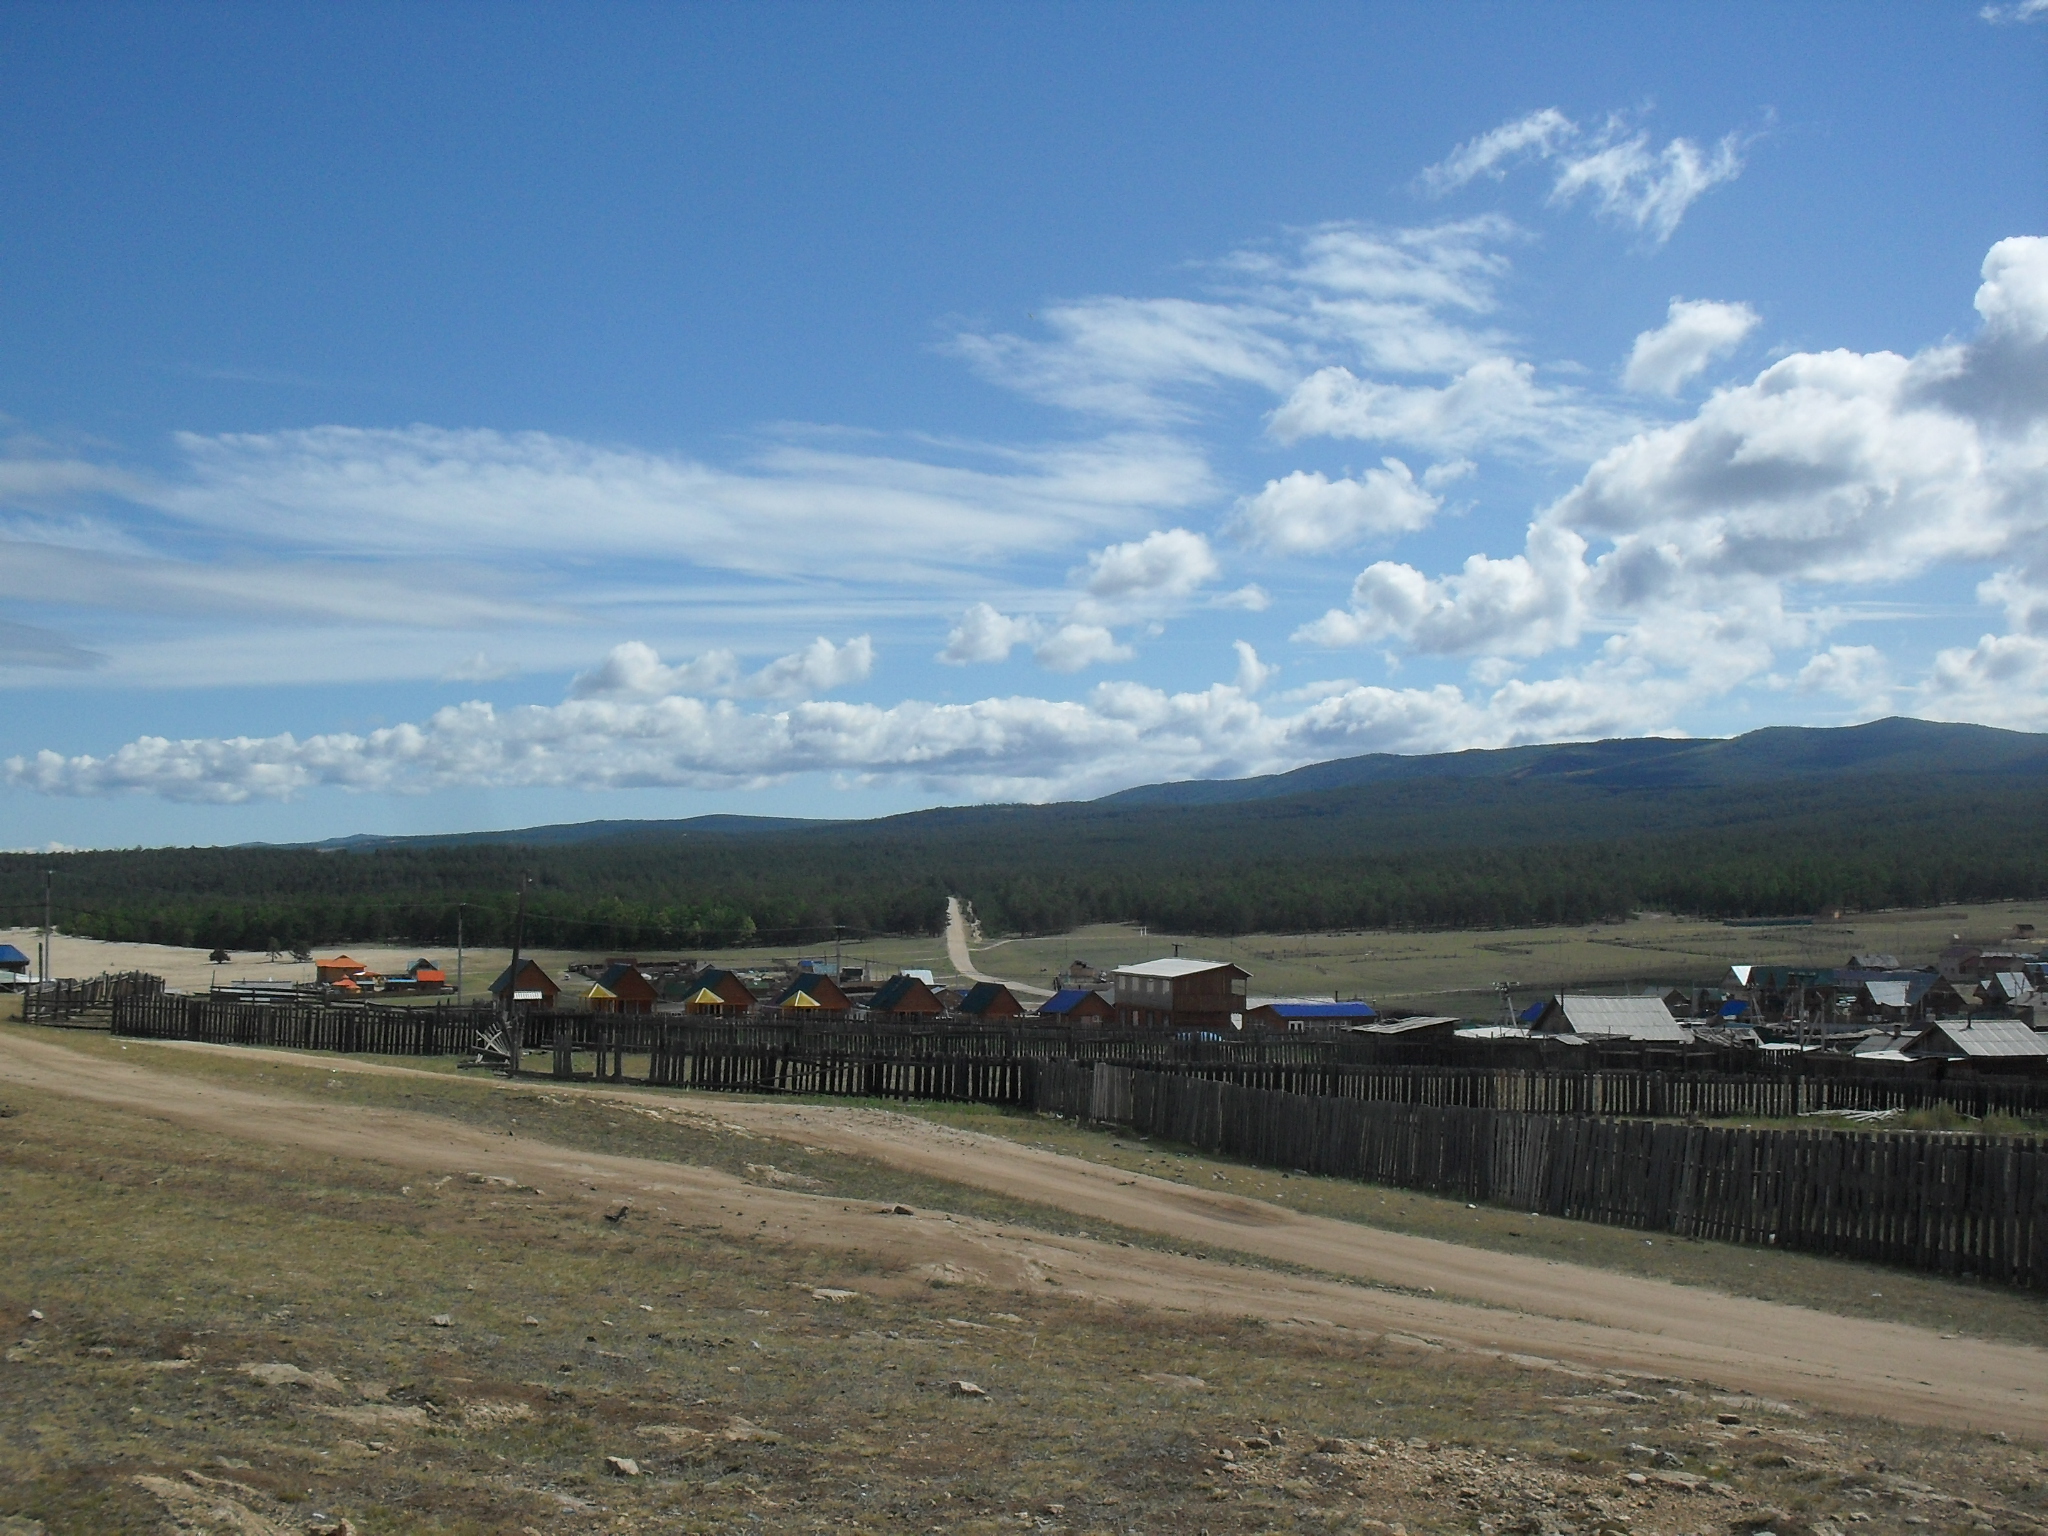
(458, 953)
(44, 960)
(514, 1025)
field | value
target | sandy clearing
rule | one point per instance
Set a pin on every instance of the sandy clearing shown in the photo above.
(1520, 1308)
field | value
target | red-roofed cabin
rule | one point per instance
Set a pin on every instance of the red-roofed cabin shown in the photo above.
(341, 968)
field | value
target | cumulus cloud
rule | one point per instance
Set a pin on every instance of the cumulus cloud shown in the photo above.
(1628, 180)
(1691, 544)
(983, 634)
(1163, 566)
(1694, 333)
(1074, 646)
(2018, 11)
(1857, 673)
(2001, 680)
(636, 670)
(1524, 605)
(1305, 511)
(1028, 748)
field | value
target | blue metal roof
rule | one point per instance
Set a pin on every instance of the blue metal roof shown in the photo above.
(1321, 1010)
(1066, 1000)
(10, 956)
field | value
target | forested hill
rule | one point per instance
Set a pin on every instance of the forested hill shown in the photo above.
(1777, 822)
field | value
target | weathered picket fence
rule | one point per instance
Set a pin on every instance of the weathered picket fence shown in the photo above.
(1962, 1205)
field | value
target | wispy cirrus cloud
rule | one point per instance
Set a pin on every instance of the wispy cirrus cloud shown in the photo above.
(1614, 165)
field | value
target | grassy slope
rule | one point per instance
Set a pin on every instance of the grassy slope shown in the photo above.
(222, 1254)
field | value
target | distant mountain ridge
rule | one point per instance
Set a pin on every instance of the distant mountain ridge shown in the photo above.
(1772, 754)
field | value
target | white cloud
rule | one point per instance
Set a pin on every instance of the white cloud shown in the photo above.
(1541, 133)
(1827, 471)
(1074, 646)
(1400, 300)
(1305, 511)
(1495, 404)
(419, 491)
(2020, 10)
(478, 668)
(1857, 673)
(1252, 673)
(1629, 181)
(983, 634)
(1026, 748)
(1695, 332)
(1524, 605)
(1251, 598)
(1164, 566)
(635, 670)
(2001, 680)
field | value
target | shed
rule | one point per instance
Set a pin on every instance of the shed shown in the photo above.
(714, 991)
(535, 985)
(904, 996)
(12, 959)
(1077, 1005)
(1289, 1015)
(990, 1000)
(814, 997)
(1612, 1018)
(1977, 1040)
(621, 988)
(1414, 1026)
(327, 972)
(2004, 987)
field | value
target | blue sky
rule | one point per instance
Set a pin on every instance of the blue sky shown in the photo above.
(426, 418)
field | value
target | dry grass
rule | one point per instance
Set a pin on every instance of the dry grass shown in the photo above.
(164, 1264)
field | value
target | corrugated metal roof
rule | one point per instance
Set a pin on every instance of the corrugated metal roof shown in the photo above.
(1984, 1037)
(1628, 1018)
(1886, 994)
(1170, 967)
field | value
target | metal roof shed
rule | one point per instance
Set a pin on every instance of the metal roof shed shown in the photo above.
(1612, 1018)
(1978, 1039)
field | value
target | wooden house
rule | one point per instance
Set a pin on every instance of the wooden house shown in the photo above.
(714, 992)
(341, 968)
(621, 988)
(1078, 1005)
(1979, 1040)
(987, 1001)
(1181, 994)
(813, 996)
(1295, 1015)
(536, 988)
(904, 998)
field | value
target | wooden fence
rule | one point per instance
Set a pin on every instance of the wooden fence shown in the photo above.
(363, 1028)
(90, 1001)
(1962, 1205)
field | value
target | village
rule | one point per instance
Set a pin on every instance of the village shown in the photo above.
(1978, 1001)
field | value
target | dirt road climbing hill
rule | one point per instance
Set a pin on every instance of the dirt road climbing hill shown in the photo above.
(1485, 1301)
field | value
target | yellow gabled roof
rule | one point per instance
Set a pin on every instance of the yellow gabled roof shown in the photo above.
(599, 990)
(803, 1000)
(704, 995)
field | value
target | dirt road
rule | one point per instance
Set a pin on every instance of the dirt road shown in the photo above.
(1506, 1305)
(963, 962)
